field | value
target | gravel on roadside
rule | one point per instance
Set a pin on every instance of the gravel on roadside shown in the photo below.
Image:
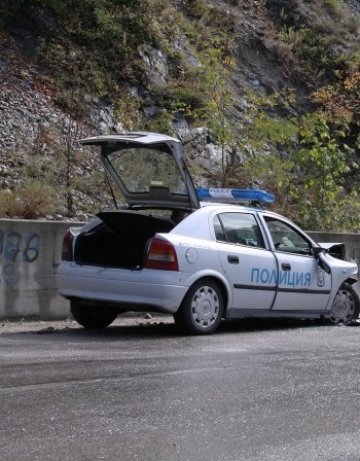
(48, 326)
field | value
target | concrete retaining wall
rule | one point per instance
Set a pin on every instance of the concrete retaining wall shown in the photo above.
(30, 252)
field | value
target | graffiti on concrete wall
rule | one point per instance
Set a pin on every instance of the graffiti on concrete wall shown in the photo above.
(14, 249)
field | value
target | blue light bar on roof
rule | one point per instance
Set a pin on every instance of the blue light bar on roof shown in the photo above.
(235, 195)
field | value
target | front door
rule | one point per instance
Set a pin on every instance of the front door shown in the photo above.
(302, 284)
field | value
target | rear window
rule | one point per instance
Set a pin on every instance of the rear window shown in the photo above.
(148, 169)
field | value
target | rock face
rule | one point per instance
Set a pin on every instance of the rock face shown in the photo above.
(157, 65)
(354, 6)
(36, 127)
(28, 104)
(34, 130)
(23, 105)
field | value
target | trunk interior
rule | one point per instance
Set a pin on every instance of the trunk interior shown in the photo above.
(119, 240)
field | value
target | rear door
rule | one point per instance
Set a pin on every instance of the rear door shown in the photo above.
(302, 284)
(148, 169)
(250, 267)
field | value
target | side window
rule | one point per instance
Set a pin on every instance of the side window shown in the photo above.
(286, 238)
(238, 228)
(219, 232)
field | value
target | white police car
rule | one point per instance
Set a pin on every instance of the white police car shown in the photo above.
(165, 252)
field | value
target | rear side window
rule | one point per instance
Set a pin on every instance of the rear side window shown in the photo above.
(238, 228)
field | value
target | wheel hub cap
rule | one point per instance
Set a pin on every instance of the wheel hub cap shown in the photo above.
(342, 310)
(205, 306)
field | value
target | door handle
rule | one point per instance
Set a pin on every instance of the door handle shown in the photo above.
(285, 267)
(233, 259)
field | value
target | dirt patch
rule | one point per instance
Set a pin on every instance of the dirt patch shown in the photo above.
(48, 327)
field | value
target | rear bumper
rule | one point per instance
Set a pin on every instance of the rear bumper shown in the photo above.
(154, 289)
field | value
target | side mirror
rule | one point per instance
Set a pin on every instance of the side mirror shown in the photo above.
(317, 251)
(324, 264)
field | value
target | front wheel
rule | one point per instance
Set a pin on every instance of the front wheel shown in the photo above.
(90, 316)
(346, 305)
(202, 308)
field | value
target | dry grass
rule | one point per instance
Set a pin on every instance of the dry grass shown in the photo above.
(30, 200)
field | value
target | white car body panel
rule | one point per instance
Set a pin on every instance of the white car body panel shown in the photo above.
(161, 290)
(247, 294)
(340, 272)
(302, 280)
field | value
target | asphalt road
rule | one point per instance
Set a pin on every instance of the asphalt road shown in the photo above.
(255, 391)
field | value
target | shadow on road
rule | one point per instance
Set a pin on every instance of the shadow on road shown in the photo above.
(133, 329)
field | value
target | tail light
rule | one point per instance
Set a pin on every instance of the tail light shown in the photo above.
(67, 247)
(161, 255)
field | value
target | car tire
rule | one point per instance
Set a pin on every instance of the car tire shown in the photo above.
(346, 305)
(202, 308)
(90, 316)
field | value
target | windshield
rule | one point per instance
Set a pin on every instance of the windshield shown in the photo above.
(143, 169)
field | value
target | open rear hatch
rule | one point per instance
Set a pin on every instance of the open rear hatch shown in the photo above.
(148, 169)
(150, 172)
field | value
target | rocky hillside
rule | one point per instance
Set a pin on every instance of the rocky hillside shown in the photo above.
(261, 92)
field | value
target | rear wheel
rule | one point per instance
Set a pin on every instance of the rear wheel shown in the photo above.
(90, 316)
(202, 308)
(346, 305)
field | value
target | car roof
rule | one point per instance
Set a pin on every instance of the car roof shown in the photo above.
(210, 206)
